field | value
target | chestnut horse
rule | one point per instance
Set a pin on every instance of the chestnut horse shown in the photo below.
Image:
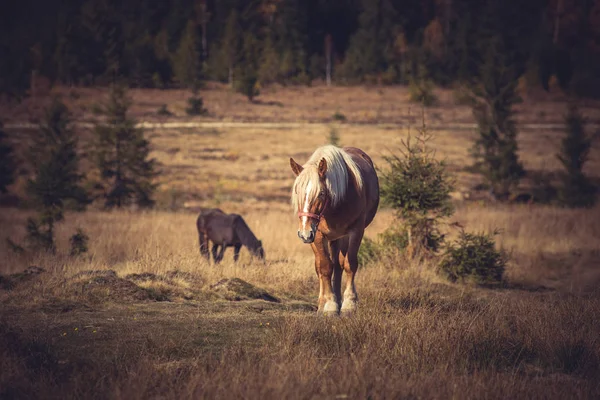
(336, 195)
(225, 230)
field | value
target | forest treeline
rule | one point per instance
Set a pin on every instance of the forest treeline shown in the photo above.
(180, 43)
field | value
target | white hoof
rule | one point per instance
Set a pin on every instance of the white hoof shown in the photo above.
(348, 307)
(330, 308)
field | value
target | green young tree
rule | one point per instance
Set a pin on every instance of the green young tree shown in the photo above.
(576, 189)
(268, 71)
(368, 53)
(7, 163)
(334, 136)
(195, 104)
(290, 29)
(57, 181)
(494, 95)
(231, 44)
(121, 154)
(247, 70)
(417, 187)
(421, 86)
(186, 61)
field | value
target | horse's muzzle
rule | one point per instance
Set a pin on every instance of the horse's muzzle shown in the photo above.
(307, 237)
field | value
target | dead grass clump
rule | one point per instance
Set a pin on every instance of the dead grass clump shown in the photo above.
(11, 281)
(102, 286)
(237, 289)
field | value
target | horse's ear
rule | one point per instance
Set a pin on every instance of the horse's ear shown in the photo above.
(322, 168)
(297, 168)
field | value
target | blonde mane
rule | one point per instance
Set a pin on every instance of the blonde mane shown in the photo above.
(336, 178)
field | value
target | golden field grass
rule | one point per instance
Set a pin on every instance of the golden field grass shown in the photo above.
(138, 316)
(157, 329)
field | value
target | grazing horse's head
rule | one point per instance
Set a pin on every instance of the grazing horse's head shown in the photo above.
(259, 251)
(310, 196)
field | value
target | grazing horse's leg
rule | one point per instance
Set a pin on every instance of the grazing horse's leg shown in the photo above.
(236, 252)
(337, 268)
(215, 247)
(350, 265)
(324, 268)
(222, 252)
(203, 239)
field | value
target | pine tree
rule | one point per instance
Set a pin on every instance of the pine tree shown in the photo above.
(290, 29)
(268, 71)
(247, 70)
(368, 50)
(7, 163)
(186, 62)
(576, 189)
(121, 155)
(57, 180)
(231, 43)
(418, 188)
(494, 95)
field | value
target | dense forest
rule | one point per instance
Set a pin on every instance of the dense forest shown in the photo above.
(180, 43)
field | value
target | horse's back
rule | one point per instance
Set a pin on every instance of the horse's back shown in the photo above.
(204, 215)
(217, 225)
(369, 178)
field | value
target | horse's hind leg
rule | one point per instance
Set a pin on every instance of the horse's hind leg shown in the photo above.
(214, 250)
(350, 264)
(203, 241)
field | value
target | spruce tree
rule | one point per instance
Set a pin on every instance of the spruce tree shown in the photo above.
(494, 94)
(186, 62)
(247, 70)
(231, 44)
(268, 71)
(368, 52)
(576, 189)
(57, 180)
(418, 188)
(7, 163)
(121, 154)
(291, 32)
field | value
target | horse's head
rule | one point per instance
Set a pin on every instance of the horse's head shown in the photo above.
(311, 197)
(259, 251)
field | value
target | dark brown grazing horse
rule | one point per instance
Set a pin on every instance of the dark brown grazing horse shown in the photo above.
(225, 230)
(336, 195)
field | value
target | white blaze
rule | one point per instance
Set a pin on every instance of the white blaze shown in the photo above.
(306, 207)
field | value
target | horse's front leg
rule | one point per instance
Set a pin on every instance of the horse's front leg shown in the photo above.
(222, 252)
(350, 265)
(236, 252)
(328, 303)
(336, 258)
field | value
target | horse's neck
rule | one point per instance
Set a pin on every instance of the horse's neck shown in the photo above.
(244, 233)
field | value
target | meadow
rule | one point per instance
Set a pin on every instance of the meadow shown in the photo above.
(142, 315)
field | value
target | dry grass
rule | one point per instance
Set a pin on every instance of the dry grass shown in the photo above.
(137, 317)
(318, 103)
(162, 333)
